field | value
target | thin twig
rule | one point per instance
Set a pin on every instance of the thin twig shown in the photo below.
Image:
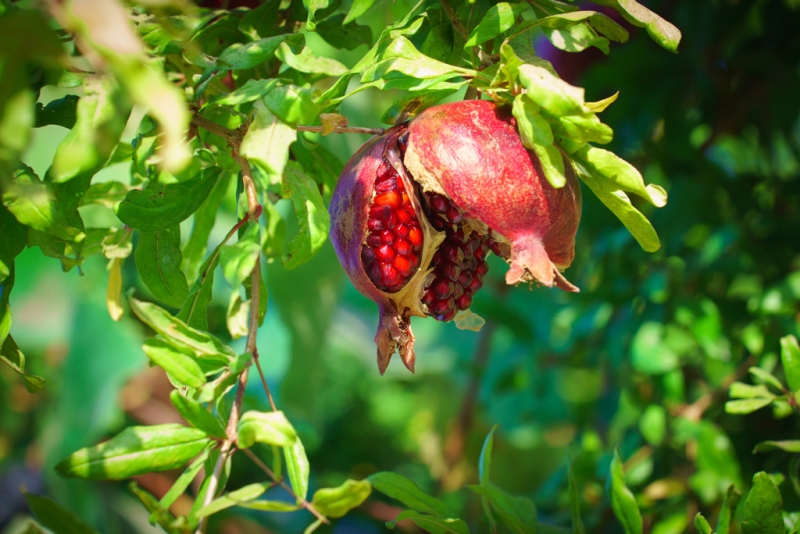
(343, 130)
(264, 467)
(264, 381)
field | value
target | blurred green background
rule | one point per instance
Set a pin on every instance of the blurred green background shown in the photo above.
(640, 359)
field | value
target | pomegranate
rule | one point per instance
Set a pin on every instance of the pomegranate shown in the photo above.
(418, 209)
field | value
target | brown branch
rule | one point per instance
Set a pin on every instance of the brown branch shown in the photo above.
(264, 467)
(343, 130)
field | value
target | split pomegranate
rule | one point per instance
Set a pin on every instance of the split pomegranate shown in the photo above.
(418, 209)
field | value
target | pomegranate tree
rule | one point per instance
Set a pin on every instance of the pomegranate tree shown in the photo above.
(418, 209)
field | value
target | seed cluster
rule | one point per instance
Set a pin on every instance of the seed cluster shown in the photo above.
(392, 250)
(459, 263)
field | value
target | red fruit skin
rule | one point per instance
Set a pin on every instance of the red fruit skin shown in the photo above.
(349, 215)
(473, 151)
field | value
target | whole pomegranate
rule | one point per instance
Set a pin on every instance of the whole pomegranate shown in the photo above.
(417, 210)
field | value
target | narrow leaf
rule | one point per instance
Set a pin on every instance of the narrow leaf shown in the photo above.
(786, 445)
(298, 468)
(114, 290)
(12, 356)
(357, 8)
(406, 491)
(233, 498)
(574, 501)
(135, 451)
(183, 482)
(701, 524)
(790, 357)
(336, 502)
(745, 406)
(178, 362)
(516, 513)
(729, 503)
(197, 415)
(622, 500)
(271, 428)
(432, 524)
(158, 260)
(767, 378)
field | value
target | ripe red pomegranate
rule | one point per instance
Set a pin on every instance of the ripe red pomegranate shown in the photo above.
(417, 210)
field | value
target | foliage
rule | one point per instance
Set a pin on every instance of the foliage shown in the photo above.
(191, 167)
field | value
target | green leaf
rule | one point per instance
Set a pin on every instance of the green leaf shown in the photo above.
(432, 524)
(576, 38)
(203, 223)
(786, 445)
(32, 203)
(135, 451)
(292, 104)
(158, 514)
(61, 112)
(270, 506)
(252, 90)
(537, 135)
(608, 177)
(406, 491)
(55, 517)
(763, 507)
(118, 244)
(336, 502)
(766, 377)
(239, 259)
(553, 94)
(101, 116)
(271, 428)
(246, 56)
(260, 22)
(740, 390)
(408, 107)
(197, 415)
(601, 105)
(402, 58)
(653, 424)
(298, 468)
(183, 482)
(484, 470)
(158, 260)
(745, 406)
(342, 35)
(307, 61)
(358, 8)
(661, 31)
(312, 217)
(195, 309)
(178, 333)
(31, 527)
(234, 498)
(160, 206)
(729, 503)
(178, 362)
(516, 513)
(622, 500)
(13, 357)
(701, 524)
(15, 237)
(498, 19)
(574, 501)
(267, 142)
(790, 357)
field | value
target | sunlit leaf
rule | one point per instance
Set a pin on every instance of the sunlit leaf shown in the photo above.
(298, 468)
(790, 357)
(662, 32)
(336, 502)
(267, 142)
(622, 500)
(271, 428)
(197, 415)
(745, 406)
(498, 19)
(242, 495)
(406, 491)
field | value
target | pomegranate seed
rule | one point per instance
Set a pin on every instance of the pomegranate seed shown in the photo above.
(440, 307)
(465, 279)
(496, 249)
(439, 224)
(454, 254)
(482, 268)
(404, 199)
(403, 265)
(385, 253)
(392, 222)
(442, 288)
(401, 231)
(367, 256)
(428, 297)
(390, 275)
(387, 237)
(454, 216)
(406, 215)
(380, 212)
(475, 286)
(403, 247)
(458, 290)
(389, 198)
(375, 225)
(385, 169)
(415, 236)
(464, 301)
(473, 264)
(374, 273)
(480, 253)
(374, 241)
(447, 316)
(437, 258)
(450, 271)
(386, 185)
(439, 204)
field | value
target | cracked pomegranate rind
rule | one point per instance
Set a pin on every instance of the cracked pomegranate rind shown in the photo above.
(417, 211)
